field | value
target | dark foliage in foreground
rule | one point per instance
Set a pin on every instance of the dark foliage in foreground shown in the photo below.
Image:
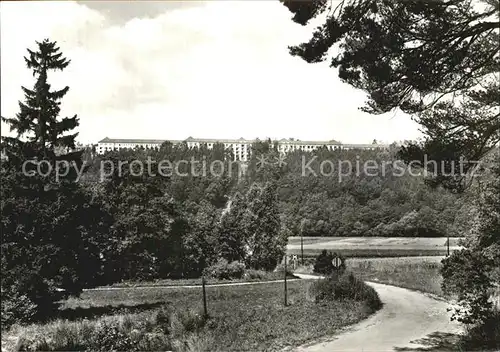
(438, 60)
(472, 275)
(52, 229)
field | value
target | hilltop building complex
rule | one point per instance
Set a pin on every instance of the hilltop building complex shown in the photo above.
(240, 147)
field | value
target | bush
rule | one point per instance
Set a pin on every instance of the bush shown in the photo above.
(187, 321)
(466, 276)
(107, 335)
(484, 336)
(139, 332)
(323, 264)
(342, 287)
(222, 270)
(16, 308)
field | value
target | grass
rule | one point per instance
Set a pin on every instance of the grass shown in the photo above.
(373, 247)
(371, 252)
(402, 241)
(250, 276)
(421, 275)
(243, 318)
(293, 240)
(416, 273)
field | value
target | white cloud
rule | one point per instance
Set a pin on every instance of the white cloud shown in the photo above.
(218, 70)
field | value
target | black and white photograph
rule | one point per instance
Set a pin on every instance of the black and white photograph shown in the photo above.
(250, 175)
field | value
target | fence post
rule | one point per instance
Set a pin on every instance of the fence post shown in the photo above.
(301, 248)
(286, 298)
(205, 311)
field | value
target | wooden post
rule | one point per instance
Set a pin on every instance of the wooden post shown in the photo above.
(205, 311)
(302, 247)
(448, 246)
(286, 300)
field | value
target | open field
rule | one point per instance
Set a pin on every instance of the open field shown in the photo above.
(243, 318)
(417, 273)
(421, 273)
(373, 246)
(249, 276)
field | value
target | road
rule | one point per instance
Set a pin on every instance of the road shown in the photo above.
(406, 316)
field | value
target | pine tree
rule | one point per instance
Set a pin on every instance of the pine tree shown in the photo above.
(52, 230)
(40, 111)
(40, 131)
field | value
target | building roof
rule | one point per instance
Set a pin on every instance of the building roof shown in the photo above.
(295, 141)
(366, 145)
(135, 141)
(236, 141)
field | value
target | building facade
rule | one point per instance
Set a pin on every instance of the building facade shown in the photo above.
(241, 148)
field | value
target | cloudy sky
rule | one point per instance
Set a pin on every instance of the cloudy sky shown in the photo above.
(163, 70)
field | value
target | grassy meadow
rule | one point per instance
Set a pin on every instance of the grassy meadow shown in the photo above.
(249, 276)
(243, 318)
(416, 273)
(367, 247)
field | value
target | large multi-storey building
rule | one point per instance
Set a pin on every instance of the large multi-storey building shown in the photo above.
(240, 147)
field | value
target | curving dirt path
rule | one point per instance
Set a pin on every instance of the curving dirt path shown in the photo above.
(408, 321)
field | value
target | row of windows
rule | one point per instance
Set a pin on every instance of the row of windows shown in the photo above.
(237, 146)
(240, 148)
(307, 147)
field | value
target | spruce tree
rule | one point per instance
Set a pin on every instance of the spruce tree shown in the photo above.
(40, 110)
(51, 229)
(39, 130)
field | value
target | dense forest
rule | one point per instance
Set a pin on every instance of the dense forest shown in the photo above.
(386, 201)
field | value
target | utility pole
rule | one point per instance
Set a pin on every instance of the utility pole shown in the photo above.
(302, 224)
(286, 298)
(301, 248)
(448, 246)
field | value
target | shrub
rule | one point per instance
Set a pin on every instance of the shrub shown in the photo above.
(323, 264)
(16, 308)
(163, 319)
(465, 274)
(484, 336)
(115, 333)
(113, 337)
(222, 270)
(190, 320)
(342, 287)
